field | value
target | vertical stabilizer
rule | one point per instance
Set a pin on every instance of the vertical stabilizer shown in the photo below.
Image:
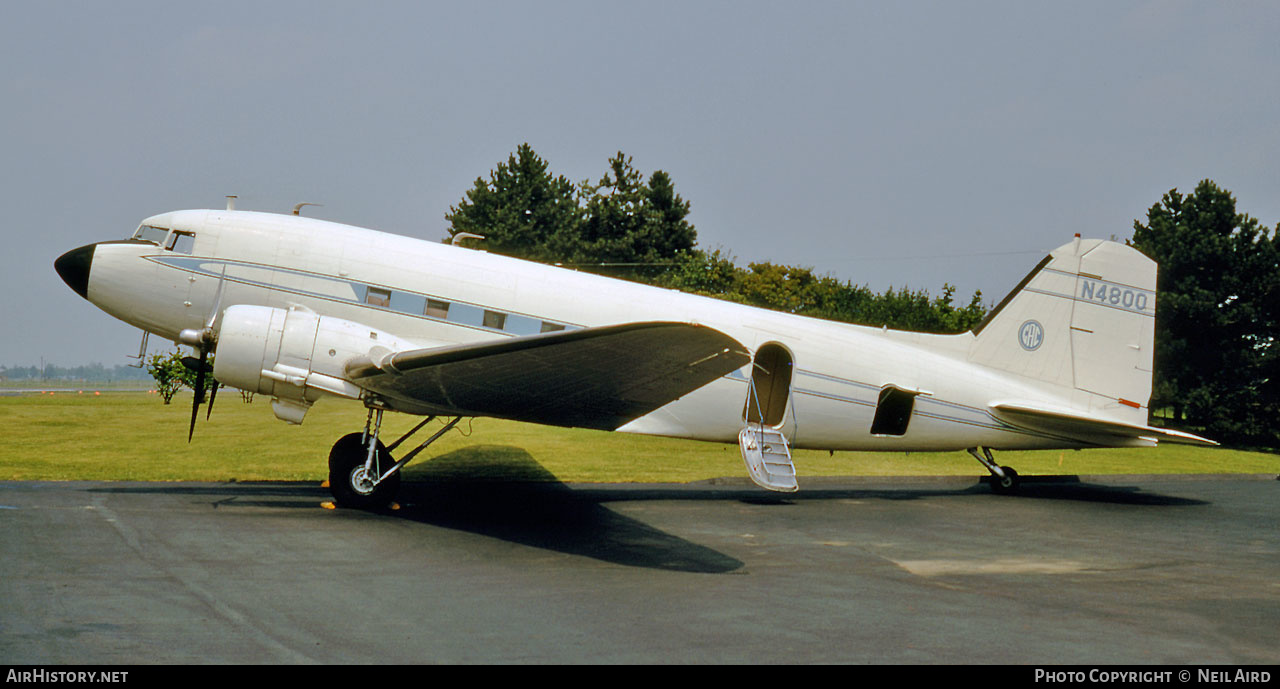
(1084, 319)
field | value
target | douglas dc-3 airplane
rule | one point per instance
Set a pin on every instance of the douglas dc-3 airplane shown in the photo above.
(299, 308)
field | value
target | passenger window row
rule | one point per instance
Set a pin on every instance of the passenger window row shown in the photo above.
(335, 288)
(455, 312)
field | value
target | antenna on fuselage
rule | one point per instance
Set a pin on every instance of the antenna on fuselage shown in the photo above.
(297, 210)
(453, 239)
(231, 203)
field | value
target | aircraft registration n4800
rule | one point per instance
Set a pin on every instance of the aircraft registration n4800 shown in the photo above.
(298, 309)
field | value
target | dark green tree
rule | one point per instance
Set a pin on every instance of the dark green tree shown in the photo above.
(1219, 282)
(634, 228)
(521, 210)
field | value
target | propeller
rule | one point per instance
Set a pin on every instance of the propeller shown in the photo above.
(205, 340)
(201, 367)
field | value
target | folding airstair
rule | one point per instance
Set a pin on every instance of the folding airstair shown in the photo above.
(767, 454)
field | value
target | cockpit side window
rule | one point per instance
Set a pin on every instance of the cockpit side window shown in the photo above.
(153, 234)
(181, 242)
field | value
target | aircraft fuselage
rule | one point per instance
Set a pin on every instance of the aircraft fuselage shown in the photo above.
(429, 294)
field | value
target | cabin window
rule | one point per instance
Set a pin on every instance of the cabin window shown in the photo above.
(494, 319)
(150, 233)
(893, 411)
(181, 242)
(437, 308)
(522, 325)
(548, 327)
(378, 297)
(466, 314)
(406, 302)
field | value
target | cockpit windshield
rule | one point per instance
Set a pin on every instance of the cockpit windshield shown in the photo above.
(151, 233)
(177, 241)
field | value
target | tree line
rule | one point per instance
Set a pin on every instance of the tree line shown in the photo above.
(87, 372)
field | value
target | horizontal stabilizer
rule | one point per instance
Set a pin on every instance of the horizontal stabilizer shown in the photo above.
(1075, 423)
(597, 378)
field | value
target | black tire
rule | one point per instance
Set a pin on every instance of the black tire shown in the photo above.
(1008, 484)
(347, 456)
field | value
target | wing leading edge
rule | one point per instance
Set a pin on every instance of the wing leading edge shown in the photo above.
(598, 378)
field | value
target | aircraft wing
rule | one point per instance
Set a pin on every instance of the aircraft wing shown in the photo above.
(1076, 423)
(597, 378)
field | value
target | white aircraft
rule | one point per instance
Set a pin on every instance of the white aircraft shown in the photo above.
(299, 309)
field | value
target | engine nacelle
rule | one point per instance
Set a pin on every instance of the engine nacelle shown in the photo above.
(294, 355)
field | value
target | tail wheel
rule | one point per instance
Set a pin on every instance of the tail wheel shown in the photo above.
(350, 484)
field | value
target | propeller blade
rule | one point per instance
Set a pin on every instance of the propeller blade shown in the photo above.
(213, 394)
(193, 364)
(204, 353)
(199, 396)
(195, 409)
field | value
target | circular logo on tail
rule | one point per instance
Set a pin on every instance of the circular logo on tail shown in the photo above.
(1031, 336)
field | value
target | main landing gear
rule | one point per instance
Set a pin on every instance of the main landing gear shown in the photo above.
(1003, 479)
(362, 473)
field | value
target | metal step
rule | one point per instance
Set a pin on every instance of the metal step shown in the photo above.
(768, 458)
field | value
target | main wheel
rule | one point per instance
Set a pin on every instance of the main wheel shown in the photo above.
(1008, 484)
(350, 484)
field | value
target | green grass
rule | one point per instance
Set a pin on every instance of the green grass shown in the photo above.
(133, 436)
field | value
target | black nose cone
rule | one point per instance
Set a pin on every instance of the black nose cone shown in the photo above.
(73, 268)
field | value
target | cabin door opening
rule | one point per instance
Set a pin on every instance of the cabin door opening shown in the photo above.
(770, 388)
(765, 449)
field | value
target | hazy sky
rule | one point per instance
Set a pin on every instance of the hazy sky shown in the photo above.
(886, 143)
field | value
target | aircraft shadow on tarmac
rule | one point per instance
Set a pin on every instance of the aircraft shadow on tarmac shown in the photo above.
(502, 492)
(539, 512)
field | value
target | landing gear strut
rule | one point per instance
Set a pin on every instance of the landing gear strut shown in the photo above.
(1003, 479)
(362, 473)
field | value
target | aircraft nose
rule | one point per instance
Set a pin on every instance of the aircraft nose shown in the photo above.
(73, 268)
